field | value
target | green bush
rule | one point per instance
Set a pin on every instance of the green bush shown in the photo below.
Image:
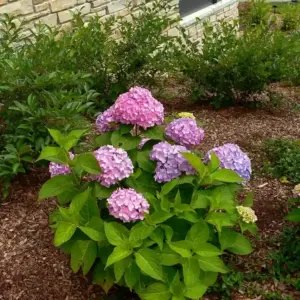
(52, 78)
(290, 16)
(283, 159)
(231, 69)
(256, 13)
(175, 252)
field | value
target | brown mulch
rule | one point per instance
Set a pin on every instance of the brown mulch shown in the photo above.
(32, 269)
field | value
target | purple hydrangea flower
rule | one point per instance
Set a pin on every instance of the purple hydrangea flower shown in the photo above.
(138, 107)
(233, 158)
(127, 205)
(103, 121)
(114, 163)
(58, 169)
(185, 132)
(170, 163)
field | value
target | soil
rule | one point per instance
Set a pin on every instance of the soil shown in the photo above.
(32, 269)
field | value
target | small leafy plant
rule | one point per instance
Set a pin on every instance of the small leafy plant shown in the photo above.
(283, 159)
(142, 211)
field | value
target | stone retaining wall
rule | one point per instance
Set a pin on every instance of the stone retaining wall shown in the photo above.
(59, 12)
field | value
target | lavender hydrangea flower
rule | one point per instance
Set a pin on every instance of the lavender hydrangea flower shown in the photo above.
(185, 132)
(127, 205)
(138, 107)
(58, 169)
(233, 158)
(114, 163)
(103, 121)
(170, 163)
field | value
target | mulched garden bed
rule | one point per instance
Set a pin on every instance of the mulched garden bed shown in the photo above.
(32, 269)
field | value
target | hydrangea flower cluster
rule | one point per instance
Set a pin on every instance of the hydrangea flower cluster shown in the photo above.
(186, 115)
(138, 107)
(103, 121)
(115, 165)
(185, 132)
(233, 158)
(127, 205)
(58, 169)
(170, 163)
(247, 214)
(296, 191)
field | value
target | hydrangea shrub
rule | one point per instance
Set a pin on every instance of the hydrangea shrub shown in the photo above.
(143, 212)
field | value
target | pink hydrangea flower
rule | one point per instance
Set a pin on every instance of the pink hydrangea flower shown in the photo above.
(127, 205)
(114, 163)
(58, 169)
(103, 121)
(138, 107)
(185, 132)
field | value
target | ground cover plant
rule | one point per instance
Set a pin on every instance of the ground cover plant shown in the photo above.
(283, 159)
(143, 210)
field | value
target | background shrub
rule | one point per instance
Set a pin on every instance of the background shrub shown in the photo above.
(232, 69)
(256, 12)
(58, 79)
(290, 16)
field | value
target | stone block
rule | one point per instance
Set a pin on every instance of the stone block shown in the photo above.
(67, 15)
(99, 13)
(21, 7)
(50, 20)
(38, 1)
(58, 5)
(80, 1)
(98, 3)
(173, 32)
(229, 13)
(220, 17)
(100, 9)
(2, 2)
(116, 6)
(193, 31)
(213, 18)
(41, 7)
(36, 16)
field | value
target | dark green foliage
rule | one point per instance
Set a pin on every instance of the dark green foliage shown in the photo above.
(233, 68)
(259, 12)
(286, 261)
(283, 159)
(57, 79)
(290, 16)
(227, 283)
